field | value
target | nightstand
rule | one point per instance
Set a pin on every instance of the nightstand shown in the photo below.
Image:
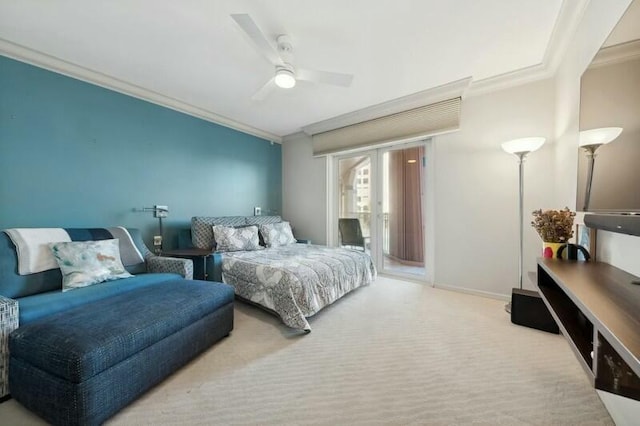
(193, 254)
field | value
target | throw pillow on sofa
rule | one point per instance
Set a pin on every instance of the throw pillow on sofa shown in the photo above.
(84, 263)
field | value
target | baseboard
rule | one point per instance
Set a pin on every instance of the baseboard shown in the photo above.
(490, 295)
(623, 411)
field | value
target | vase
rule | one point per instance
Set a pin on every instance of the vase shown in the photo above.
(550, 250)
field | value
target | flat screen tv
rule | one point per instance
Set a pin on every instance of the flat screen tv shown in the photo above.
(610, 97)
(609, 180)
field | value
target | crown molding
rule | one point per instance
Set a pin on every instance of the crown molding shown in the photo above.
(569, 18)
(60, 66)
(440, 93)
(509, 79)
(563, 30)
(617, 53)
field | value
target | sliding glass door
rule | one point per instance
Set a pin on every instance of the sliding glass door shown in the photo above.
(402, 211)
(380, 207)
(355, 201)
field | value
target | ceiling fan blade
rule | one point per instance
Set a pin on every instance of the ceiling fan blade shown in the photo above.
(265, 90)
(325, 77)
(257, 37)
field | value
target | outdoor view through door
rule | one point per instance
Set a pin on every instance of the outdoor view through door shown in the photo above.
(398, 210)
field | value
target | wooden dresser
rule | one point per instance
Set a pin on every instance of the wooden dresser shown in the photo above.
(597, 309)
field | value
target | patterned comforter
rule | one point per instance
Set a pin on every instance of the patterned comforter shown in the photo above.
(296, 280)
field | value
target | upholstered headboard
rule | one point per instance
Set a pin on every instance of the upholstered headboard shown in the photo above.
(202, 231)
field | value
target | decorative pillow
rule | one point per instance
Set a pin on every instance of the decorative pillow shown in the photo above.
(84, 263)
(229, 238)
(277, 234)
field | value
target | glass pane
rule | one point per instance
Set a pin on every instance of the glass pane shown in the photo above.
(354, 215)
(402, 216)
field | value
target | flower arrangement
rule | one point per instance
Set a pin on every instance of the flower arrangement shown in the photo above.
(554, 226)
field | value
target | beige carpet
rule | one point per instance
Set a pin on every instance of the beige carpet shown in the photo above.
(392, 353)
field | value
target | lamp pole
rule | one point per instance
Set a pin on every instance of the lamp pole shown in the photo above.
(520, 148)
(521, 156)
(591, 156)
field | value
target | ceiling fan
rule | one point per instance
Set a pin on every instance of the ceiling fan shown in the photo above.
(286, 74)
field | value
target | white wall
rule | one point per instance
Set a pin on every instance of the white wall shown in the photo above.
(476, 195)
(304, 189)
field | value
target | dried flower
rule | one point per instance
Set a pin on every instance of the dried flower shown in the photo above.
(554, 226)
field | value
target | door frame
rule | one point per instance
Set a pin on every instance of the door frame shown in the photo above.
(428, 207)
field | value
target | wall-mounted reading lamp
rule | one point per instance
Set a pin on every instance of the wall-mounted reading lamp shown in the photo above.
(590, 141)
(160, 212)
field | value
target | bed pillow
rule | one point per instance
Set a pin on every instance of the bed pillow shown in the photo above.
(84, 263)
(229, 238)
(277, 234)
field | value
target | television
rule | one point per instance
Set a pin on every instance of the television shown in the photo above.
(609, 166)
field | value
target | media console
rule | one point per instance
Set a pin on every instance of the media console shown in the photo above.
(598, 311)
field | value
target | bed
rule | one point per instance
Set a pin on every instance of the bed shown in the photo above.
(297, 280)
(290, 279)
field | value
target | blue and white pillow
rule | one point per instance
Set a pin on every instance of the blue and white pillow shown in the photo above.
(229, 238)
(84, 263)
(277, 234)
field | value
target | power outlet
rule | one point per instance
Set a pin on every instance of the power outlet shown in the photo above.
(157, 240)
(257, 211)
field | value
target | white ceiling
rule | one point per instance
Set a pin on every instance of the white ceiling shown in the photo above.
(193, 52)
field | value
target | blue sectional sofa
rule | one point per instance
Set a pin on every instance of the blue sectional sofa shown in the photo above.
(121, 325)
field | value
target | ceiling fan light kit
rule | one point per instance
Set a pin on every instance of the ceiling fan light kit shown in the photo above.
(285, 78)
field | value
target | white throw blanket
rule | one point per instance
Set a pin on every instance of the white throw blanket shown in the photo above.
(32, 247)
(34, 254)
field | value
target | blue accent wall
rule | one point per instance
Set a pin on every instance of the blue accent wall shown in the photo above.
(73, 154)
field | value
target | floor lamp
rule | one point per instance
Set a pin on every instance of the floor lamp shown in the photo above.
(520, 148)
(590, 140)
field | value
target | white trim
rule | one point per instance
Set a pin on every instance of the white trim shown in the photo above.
(63, 67)
(474, 292)
(617, 53)
(510, 79)
(426, 97)
(569, 17)
(563, 30)
(429, 210)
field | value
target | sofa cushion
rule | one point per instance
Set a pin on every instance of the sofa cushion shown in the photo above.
(84, 263)
(99, 335)
(38, 306)
(14, 285)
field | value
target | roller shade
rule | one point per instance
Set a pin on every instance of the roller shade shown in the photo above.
(426, 120)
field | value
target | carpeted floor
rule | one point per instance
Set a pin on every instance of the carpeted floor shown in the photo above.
(392, 353)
